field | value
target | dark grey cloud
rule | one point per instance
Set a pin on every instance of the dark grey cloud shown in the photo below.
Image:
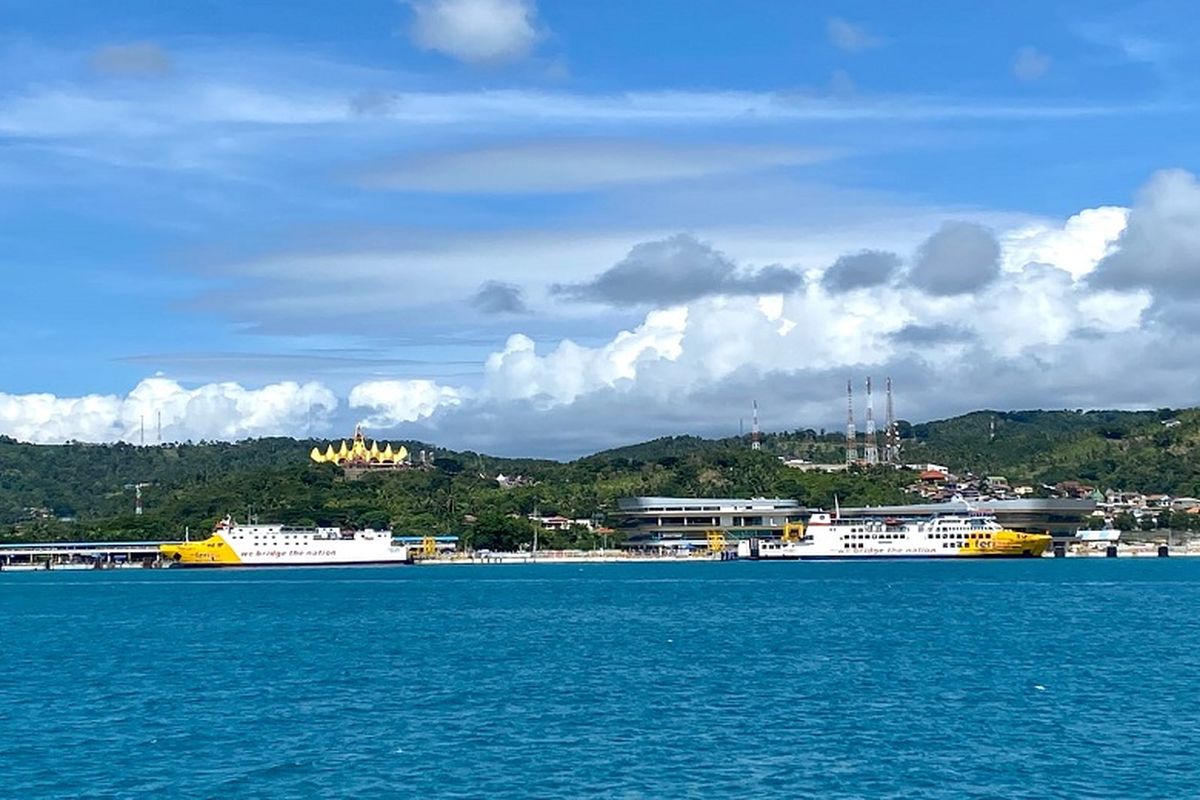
(133, 58)
(959, 258)
(860, 270)
(1160, 247)
(932, 334)
(496, 297)
(939, 334)
(676, 270)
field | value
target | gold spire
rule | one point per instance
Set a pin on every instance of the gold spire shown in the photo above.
(357, 451)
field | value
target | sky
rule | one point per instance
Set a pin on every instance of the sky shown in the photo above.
(543, 228)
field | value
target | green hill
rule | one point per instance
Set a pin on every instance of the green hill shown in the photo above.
(1149, 451)
(80, 491)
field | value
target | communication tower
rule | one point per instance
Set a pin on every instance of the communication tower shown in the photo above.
(870, 445)
(891, 434)
(137, 495)
(851, 436)
(755, 433)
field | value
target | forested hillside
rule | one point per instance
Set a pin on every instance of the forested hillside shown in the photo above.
(93, 487)
(87, 491)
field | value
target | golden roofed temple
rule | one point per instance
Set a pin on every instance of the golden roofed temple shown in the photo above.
(358, 454)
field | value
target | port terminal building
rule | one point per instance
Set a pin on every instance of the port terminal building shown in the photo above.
(683, 523)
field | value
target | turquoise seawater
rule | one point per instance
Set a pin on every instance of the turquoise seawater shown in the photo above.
(1068, 678)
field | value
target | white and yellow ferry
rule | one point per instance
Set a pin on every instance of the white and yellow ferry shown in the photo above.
(942, 536)
(234, 545)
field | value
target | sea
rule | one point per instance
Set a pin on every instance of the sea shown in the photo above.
(1071, 678)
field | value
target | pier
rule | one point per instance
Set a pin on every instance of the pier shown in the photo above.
(79, 555)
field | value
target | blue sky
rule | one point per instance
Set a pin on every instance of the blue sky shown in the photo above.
(286, 219)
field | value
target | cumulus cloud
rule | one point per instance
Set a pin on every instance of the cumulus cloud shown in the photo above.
(1032, 335)
(134, 58)
(1029, 339)
(391, 402)
(1076, 246)
(213, 411)
(960, 257)
(850, 37)
(1159, 250)
(674, 270)
(497, 297)
(1029, 64)
(860, 270)
(476, 31)
(570, 370)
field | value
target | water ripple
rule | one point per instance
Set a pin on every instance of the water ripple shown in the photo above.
(1017, 679)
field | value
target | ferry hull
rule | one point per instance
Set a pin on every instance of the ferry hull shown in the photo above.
(826, 539)
(898, 557)
(273, 546)
(280, 564)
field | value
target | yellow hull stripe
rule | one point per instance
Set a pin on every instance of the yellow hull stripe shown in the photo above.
(213, 550)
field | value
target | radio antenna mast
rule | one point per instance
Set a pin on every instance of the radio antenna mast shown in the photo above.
(851, 436)
(871, 446)
(755, 433)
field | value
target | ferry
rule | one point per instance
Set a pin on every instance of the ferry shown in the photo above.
(234, 545)
(941, 536)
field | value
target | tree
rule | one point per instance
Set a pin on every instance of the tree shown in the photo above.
(495, 531)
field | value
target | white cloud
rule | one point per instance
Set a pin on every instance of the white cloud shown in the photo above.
(174, 108)
(570, 370)
(578, 164)
(850, 37)
(1029, 64)
(476, 31)
(1077, 246)
(213, 411)
(391, 402)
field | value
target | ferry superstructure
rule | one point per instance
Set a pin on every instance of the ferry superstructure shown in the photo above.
(234, 545)
(943, 536)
